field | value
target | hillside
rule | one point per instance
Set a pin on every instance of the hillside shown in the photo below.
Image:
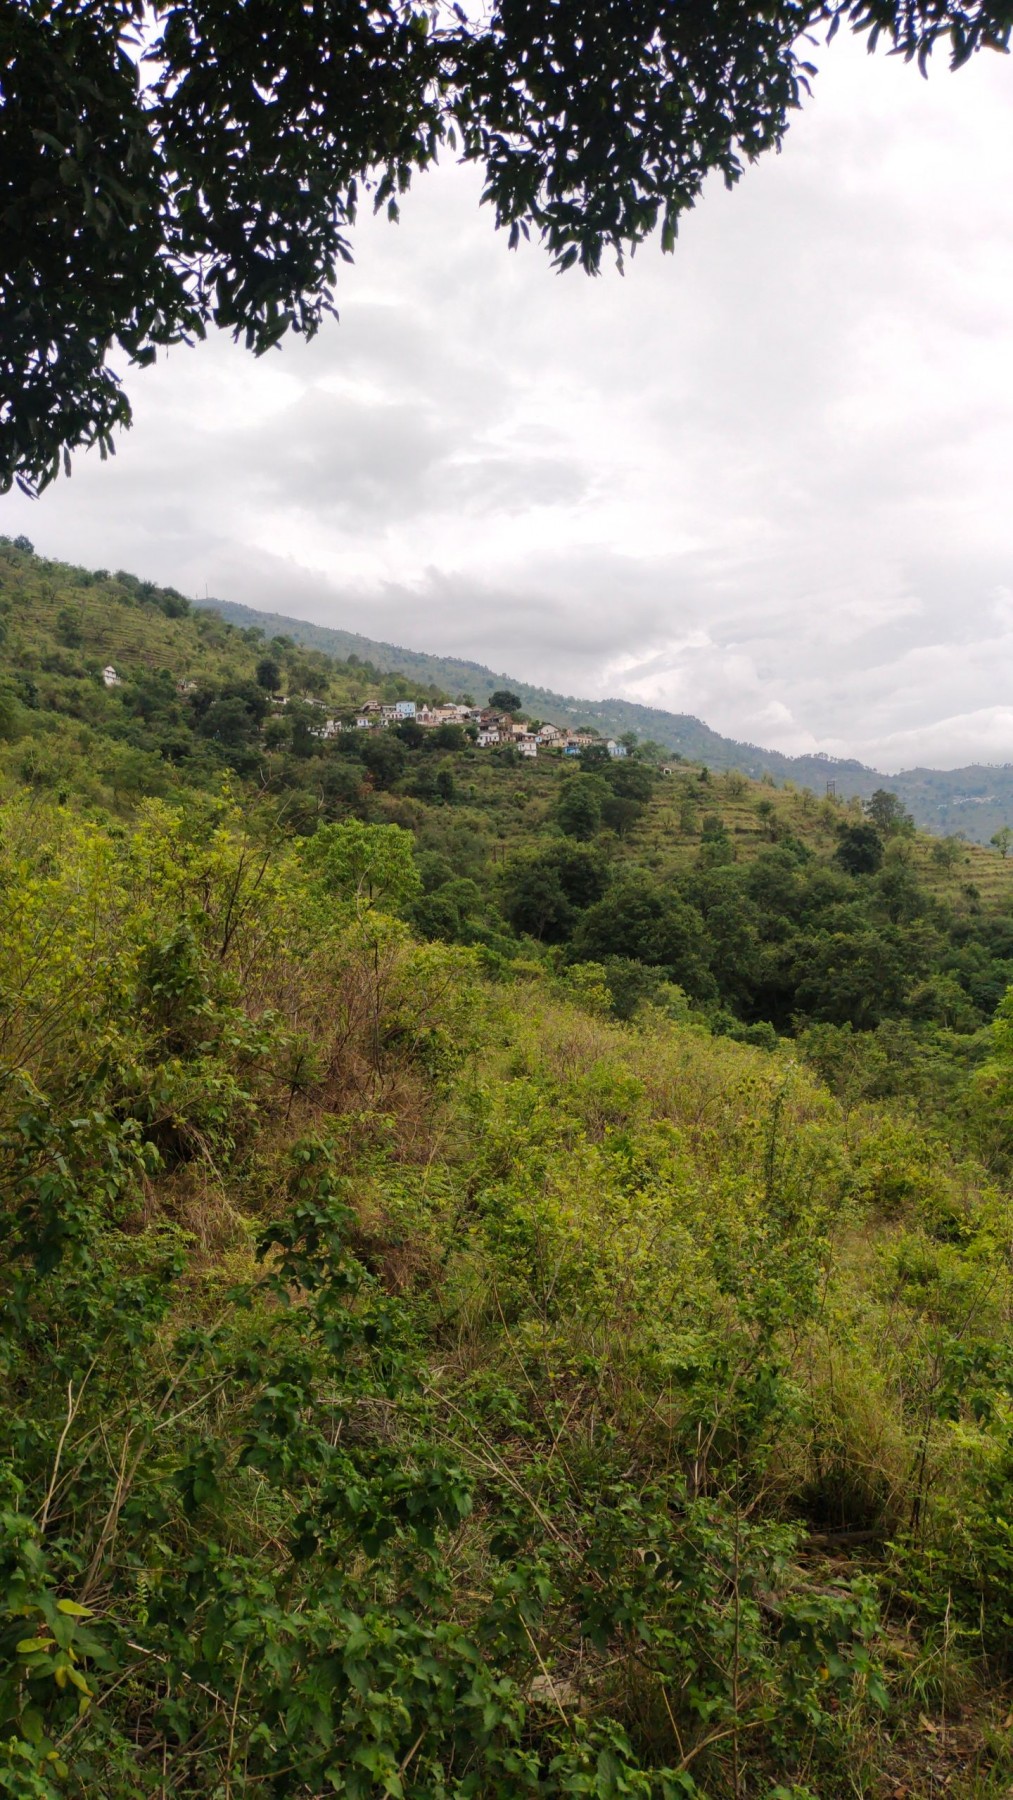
(680, 732)
(664, 872)
(504, 1260)
(974, 802)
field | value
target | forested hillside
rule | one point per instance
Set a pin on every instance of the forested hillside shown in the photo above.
(504, 1260)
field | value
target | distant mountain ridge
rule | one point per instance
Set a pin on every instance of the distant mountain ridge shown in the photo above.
(973, 801)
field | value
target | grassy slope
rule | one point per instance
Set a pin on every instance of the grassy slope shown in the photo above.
(675, 1319)
(656, 1294)
(60, 727)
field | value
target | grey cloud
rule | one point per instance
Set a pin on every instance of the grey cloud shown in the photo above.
(347, 458)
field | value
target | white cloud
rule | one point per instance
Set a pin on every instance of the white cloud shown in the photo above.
(764, 481)
(982, 736)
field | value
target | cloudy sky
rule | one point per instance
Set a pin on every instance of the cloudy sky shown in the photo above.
(766, 480)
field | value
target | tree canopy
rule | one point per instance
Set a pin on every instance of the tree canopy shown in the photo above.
(167, 167)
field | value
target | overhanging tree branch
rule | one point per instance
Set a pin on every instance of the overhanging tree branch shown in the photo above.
(201, 162)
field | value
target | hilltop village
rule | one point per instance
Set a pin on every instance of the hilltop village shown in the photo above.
(485, 726)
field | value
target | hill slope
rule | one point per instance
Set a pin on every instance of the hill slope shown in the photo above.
(508, 848)
(973, 801)
(682, 732)
(439, 1360)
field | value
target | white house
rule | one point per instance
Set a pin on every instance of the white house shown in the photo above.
(485, 738)
(615, 749)
(404, 709)
(110, 677)
(362, 723)
(528, 745)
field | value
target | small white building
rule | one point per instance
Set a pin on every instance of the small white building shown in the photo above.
(485, 738)
(528, 745)
(615, 749)
(110, 677)
(363, 723)
(404, 709)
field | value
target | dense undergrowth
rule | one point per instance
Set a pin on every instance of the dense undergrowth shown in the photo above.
(504, 1269)
(418, 1382)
